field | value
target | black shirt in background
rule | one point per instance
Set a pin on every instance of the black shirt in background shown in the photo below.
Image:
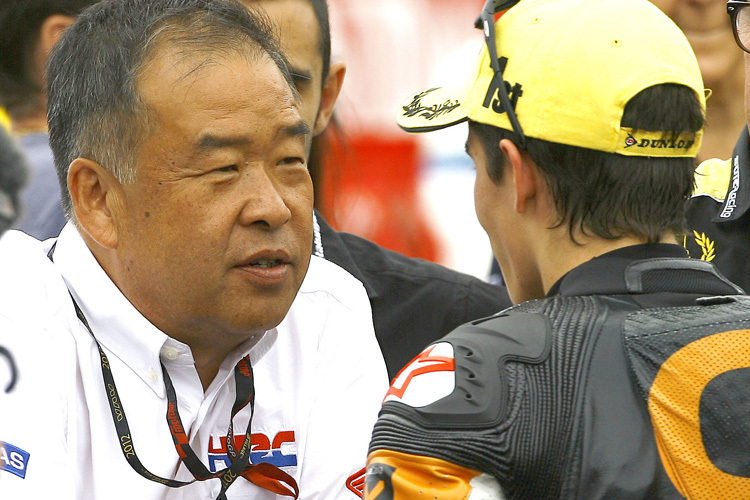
(414, 302)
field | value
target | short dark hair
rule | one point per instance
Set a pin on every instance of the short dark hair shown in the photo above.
(94, 108)
(608, 194)
(320, 7)
(20, 22)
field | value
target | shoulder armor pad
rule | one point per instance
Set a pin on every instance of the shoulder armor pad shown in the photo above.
(480, 350)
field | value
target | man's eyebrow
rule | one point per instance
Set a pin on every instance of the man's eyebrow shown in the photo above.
(466, 147)
(299, 74)
(299, 128)
(210, 141)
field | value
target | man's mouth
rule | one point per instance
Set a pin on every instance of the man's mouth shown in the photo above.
(266, 263)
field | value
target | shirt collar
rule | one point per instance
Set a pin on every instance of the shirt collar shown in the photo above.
(121, 328)
(622, 271)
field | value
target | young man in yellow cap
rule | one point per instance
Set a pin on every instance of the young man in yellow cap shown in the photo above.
(610, 378)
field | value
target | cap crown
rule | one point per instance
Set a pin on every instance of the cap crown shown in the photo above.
(570, 67)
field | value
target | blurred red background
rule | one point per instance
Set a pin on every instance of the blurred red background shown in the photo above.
(371, 170)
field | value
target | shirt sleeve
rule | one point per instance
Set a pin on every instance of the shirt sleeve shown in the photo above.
(351, 380)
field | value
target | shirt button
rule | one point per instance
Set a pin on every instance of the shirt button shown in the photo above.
(151, 376)
(170, 353)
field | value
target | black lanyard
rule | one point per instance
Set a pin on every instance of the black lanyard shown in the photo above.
(264, 475)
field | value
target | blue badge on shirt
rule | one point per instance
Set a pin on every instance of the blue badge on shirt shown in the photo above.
(13, 459)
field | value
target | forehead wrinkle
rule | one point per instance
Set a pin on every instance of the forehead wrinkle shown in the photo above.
(188, 60)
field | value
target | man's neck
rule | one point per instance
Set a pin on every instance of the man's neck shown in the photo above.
(207, 368)
(562, 256)
(210, 343)
(31, 123)
(209, 356)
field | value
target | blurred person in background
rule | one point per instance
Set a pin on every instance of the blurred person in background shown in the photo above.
(414, 301)
(13, 172)
(718, 219)
(28, 31)
(706, 27)
(4, 119)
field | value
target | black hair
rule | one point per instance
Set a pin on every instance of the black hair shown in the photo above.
(94, 108)
(20, 24)
(608, 194)
(320, 7)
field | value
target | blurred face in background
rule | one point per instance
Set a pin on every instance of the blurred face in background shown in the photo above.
(707, 27)
(299, 34)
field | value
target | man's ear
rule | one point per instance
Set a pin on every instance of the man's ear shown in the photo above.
(525, 176)
(51, 30)
(331, 88)
(96, 195)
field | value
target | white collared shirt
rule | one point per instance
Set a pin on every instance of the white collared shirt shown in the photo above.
(319, 380)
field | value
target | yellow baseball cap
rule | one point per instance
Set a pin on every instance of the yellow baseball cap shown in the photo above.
(570, 67)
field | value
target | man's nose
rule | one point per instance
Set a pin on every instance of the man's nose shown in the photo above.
(264, 202)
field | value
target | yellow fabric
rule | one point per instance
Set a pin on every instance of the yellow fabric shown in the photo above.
(420, 477)
(712, 178)
(572, 66)
(4, 119)
(674, 406)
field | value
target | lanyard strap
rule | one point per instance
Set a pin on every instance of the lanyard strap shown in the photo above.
(181, 441)
(263, 474)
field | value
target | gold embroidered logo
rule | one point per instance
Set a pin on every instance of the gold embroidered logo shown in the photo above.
(706, 245)
(429, 113)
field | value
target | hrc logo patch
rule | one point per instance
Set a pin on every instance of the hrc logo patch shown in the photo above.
(281, 452)
(13, 459)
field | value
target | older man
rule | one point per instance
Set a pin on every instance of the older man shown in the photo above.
(182, 148)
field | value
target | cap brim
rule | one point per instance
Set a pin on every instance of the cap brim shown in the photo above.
(432, 109)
